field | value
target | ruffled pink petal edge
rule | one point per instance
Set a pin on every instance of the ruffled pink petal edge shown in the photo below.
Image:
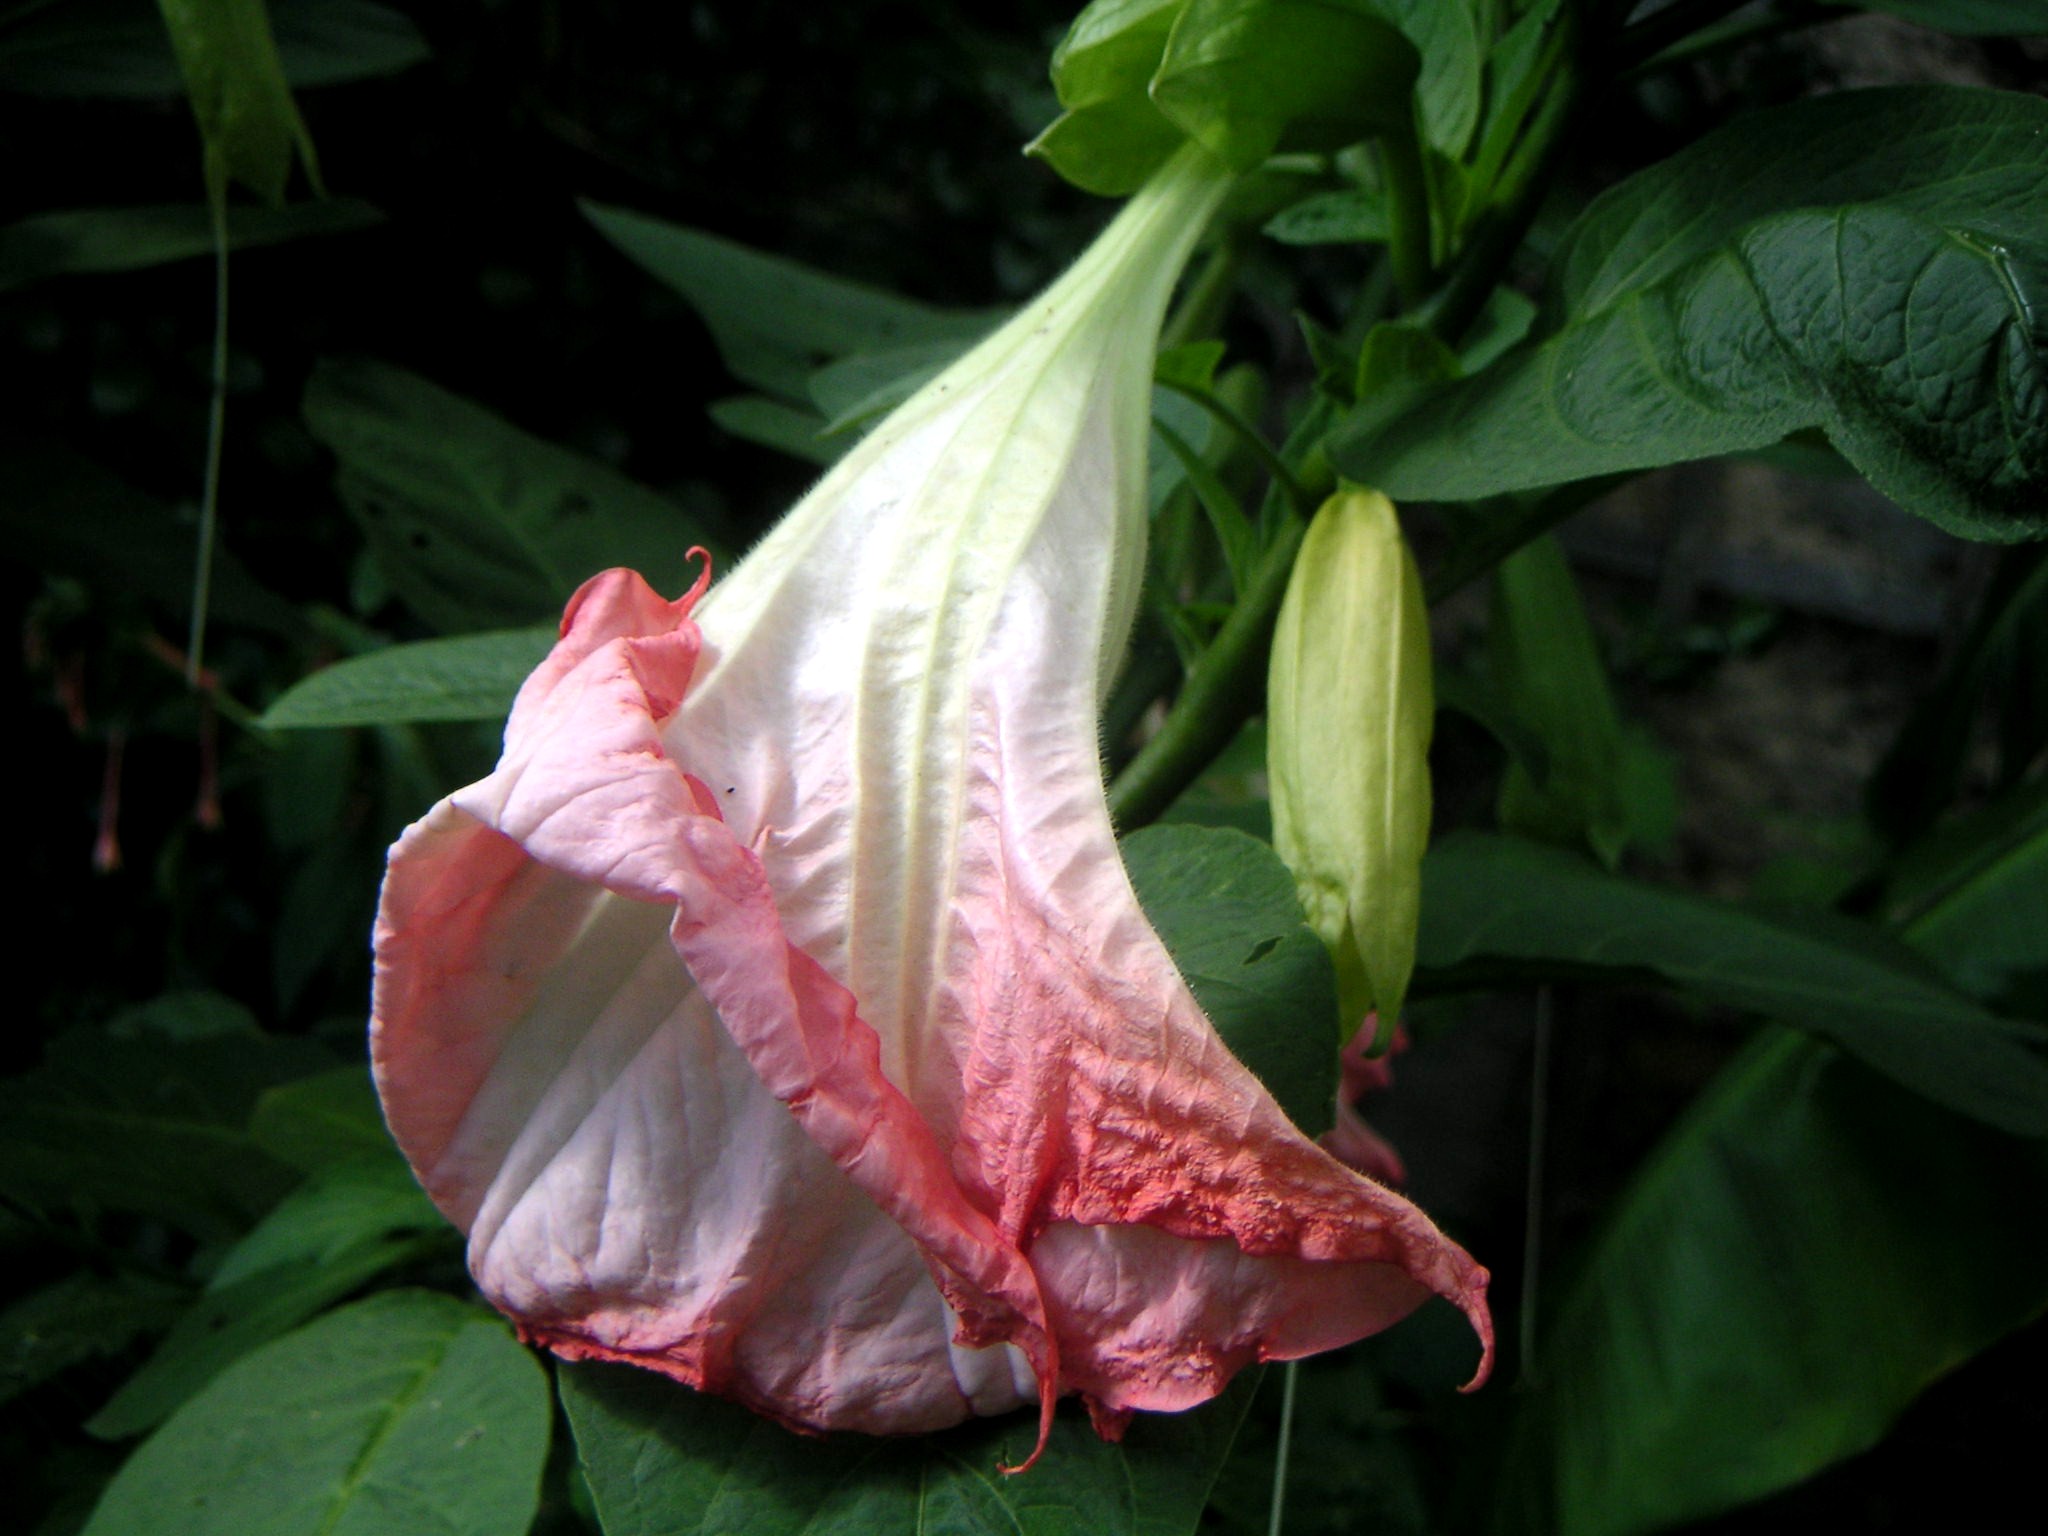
(586, 724)
(1269, 1214)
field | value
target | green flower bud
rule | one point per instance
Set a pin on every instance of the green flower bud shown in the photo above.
(1350, 706)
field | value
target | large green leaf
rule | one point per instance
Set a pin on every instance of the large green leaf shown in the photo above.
(1237, 75)
(775, 320)
(1494, 906)
(132, 546)
(460, 677)
(226, 1324)
(665, 1461)
(119, 48)
(1874, 264)
(475, 524)
(1807, 1251)
(1110, 135)
(332, 42)
(321, 1120)
(1225, 907)
(1938, 748)
(1981, 18)
(149, 1125)
(80, 1318)
(405, 1412)
(79, 240)
(349, 1223)
(1974, 898)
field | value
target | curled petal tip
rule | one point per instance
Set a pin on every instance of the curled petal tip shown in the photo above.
(1481, 1318)
(698, 587)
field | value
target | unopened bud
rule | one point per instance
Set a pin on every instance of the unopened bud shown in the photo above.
(1350, 707)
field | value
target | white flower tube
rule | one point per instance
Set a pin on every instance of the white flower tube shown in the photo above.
(778, 1014)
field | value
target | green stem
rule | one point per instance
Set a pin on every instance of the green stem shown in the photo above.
(1532, 1205)
(1284, 477)
(1408, 234)
(1224, 687)
(216, 431)
(1288, 1374)
(1485, 260)
(1202, 307)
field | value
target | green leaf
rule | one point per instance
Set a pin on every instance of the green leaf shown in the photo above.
(856, 389)
(775, 320)
(1398, 363)
(320, 1120)
(1808, 1250)
(1973, 897)
(193, 1014)
(149, 1125)
(1530, 61)
(341, 1228)
(1498, 906)
(475, 524)
(247, 119)
(1873, 263)
(462, 677)
(662, 1460)
(405, 1412)
(81, 240)
(227, 1323)
(1239, 74)
(1547, 667)
(1225, 907)
(1356, 216)
(785, 428)
(1504, 321)
(341, 1207)
(1190, 367)
(131, 546)
(80, 1318)
(1978, 18)
(334, 42)
(1447, 91)
(119, 49)
(1110, 136)
(1234, 531)
(1924, 768)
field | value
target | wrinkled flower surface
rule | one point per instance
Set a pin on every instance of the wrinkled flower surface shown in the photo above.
(778, 1014)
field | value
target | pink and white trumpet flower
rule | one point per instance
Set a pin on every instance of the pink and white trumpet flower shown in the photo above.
(778, 1015)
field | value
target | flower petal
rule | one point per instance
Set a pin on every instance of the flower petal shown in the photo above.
(588, 1025)
(625, 985)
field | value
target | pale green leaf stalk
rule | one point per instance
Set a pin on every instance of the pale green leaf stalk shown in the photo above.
(1350, 705)
(249, 128)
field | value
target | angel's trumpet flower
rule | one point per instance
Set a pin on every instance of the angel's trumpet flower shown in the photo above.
(778, 1014)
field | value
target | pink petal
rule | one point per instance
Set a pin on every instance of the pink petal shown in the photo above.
(588, 1009)
(600, 1110)
(779, 1014)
